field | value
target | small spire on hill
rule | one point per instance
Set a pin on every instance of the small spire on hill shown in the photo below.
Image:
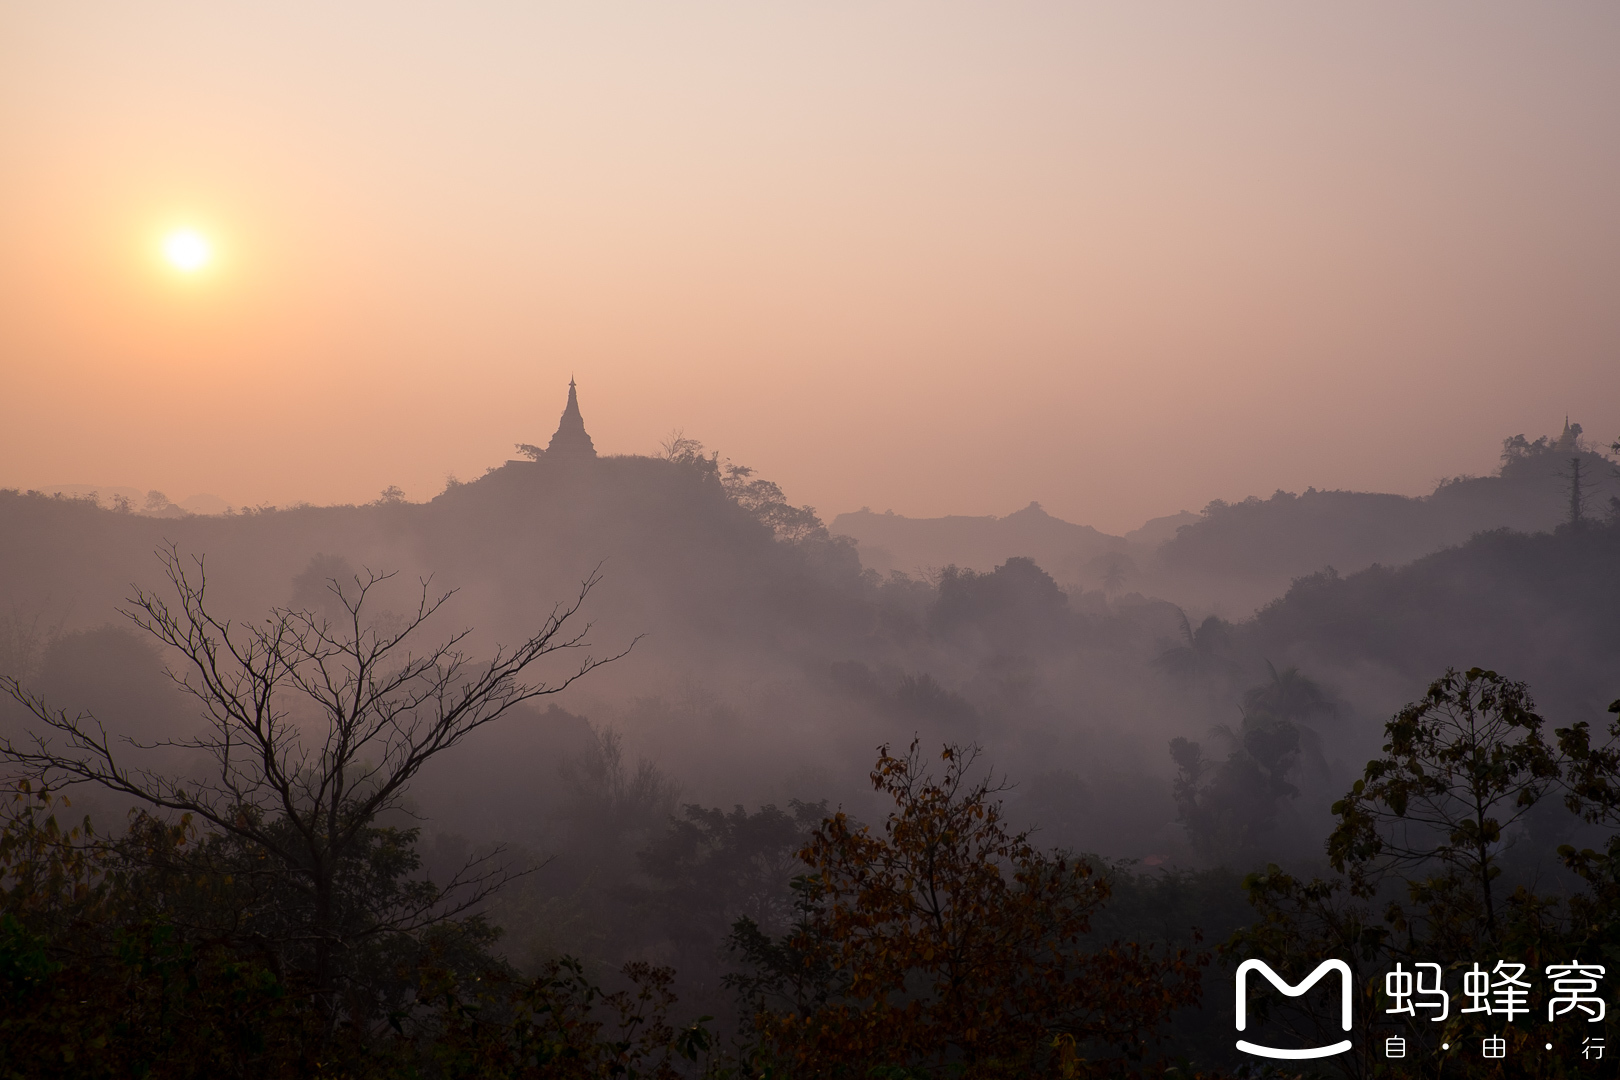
(571, 439)
(1570, 441)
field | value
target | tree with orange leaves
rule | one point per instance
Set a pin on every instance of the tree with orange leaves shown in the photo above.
(948, 945)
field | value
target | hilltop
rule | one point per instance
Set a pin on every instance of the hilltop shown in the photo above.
(1234, 557)
(889, 541)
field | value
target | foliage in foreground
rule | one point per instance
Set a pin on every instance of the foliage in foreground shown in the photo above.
(139, 956)
(1446, 854)
(944, 946)
(938, 944)
(948, 946)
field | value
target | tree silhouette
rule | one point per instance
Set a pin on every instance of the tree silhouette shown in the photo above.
(947, 945)
(313, 728)
(1461, 766)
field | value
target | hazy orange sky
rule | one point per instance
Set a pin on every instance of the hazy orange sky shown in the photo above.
(941, 257)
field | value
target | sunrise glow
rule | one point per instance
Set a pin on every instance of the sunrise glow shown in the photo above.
(187, 250)
(1022, 466)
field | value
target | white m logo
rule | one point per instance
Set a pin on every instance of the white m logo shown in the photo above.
(1292, 991)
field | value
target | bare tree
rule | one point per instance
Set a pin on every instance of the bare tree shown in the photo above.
(313, 728)
(677, 447)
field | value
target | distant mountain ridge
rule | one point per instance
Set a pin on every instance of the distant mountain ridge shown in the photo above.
(890, 541)
(1270, 542)
(147, 503)
(1234, 556)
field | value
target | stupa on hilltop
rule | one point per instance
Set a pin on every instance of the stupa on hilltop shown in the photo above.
(1568, 443)
(571, 439)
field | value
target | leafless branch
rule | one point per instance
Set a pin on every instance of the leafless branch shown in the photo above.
(314, 727)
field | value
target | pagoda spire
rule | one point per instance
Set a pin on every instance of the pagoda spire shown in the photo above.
(571, 439)
(1570, 441)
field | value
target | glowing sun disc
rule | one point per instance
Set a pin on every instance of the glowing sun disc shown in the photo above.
(187, 251)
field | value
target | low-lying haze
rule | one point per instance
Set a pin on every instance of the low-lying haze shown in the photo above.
(489, 484)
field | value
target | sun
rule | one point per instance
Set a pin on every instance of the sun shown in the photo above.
(187, 250)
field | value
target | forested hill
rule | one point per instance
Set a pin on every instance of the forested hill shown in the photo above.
(680, 559)
(891, 541)
(731, 593)
(1277, 539)
(1537, 607)
(774, 662)
(1234, 557)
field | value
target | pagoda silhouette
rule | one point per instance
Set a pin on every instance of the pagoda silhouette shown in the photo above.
(571, 439)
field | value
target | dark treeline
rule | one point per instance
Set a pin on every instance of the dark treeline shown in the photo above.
(687, 862)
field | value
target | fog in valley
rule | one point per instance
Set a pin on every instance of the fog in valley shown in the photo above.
(809, 542)
(767, 654)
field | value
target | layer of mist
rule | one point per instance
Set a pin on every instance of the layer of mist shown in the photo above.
(1124, 685)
